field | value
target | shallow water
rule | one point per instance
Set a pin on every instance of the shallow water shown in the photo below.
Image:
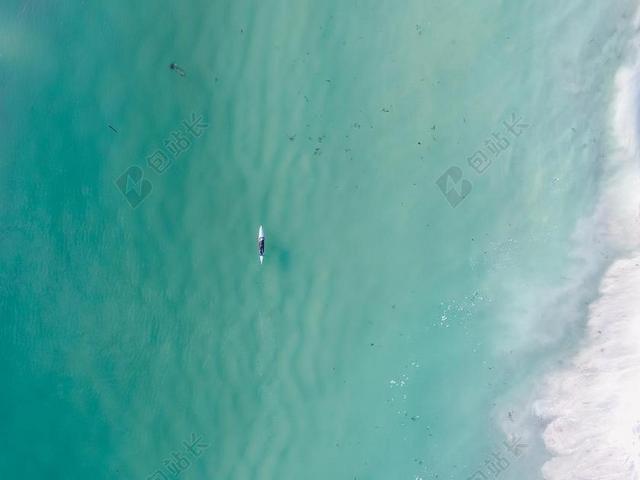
(388, 334)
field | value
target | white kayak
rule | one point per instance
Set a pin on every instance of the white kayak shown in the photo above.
(261, 244)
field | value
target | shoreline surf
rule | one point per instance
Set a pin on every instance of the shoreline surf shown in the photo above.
(590, 408)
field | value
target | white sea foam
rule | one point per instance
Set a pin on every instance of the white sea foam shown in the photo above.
(593, 406)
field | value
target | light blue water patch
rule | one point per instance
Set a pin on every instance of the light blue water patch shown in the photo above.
(385, 325)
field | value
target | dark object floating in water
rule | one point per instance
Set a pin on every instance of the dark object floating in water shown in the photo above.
(113, 129)
(175, 67)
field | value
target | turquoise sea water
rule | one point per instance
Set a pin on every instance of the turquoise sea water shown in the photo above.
(388, 334)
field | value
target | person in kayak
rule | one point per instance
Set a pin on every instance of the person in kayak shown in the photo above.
(261, 244)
